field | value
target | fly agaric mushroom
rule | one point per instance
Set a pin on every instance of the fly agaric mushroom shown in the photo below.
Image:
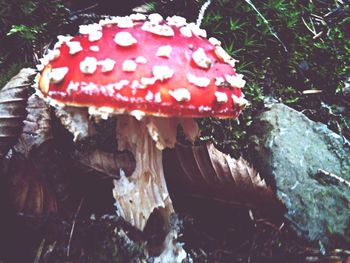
(154, 74)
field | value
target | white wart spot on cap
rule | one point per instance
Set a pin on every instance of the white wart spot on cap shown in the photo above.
(62, 40)
(239, 101)
(53, 54)
(158, 97)
(138, 114)
(87, 29)
(107, 65)
(224, 56)
(119, 85)
(149, 96)
(236, 81)
(94, 48)
(95, 35)
(141, 60)
(135, 84)
(72, 87)
(155, 18)
(138, 17)
(125, 22)
(214, 41)
(124, 39)
(162, 72)
(129, 65)
(201, 82)
(221, 97)
(180, 94)
(186, 31)
(88, 65)
(105, 21)
(160, 30)
(164, 51)
(148, 81)
(219, 81)
(177, 21)
(74, 47)
(201, 59)
(197, 31)
(58, 74)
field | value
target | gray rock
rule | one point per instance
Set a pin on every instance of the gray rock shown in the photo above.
(289, 149)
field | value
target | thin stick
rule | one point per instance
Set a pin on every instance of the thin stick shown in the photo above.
(272, 31)
(73, 226)
(334, 176)
(201, 12)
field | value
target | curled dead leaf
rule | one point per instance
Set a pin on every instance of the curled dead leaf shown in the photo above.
(37, 126)
(107, 163)
(205, 172)
(13, 102)
(28, 190)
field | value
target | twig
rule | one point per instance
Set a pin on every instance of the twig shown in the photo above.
(272, 31)
(39, 251)
(73, 226)
(334, 177)
(201, 12)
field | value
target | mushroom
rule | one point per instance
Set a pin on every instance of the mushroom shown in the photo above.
(153, 74)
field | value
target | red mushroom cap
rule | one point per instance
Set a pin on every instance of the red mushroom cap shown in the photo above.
(159, 67)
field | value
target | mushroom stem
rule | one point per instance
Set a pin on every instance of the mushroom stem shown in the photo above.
(138, 195)
(145, 191)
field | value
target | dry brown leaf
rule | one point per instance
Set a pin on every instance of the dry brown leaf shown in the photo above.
(108, 163)
(37, 126)
(205, 172)
(28, 190)
(13, 101)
